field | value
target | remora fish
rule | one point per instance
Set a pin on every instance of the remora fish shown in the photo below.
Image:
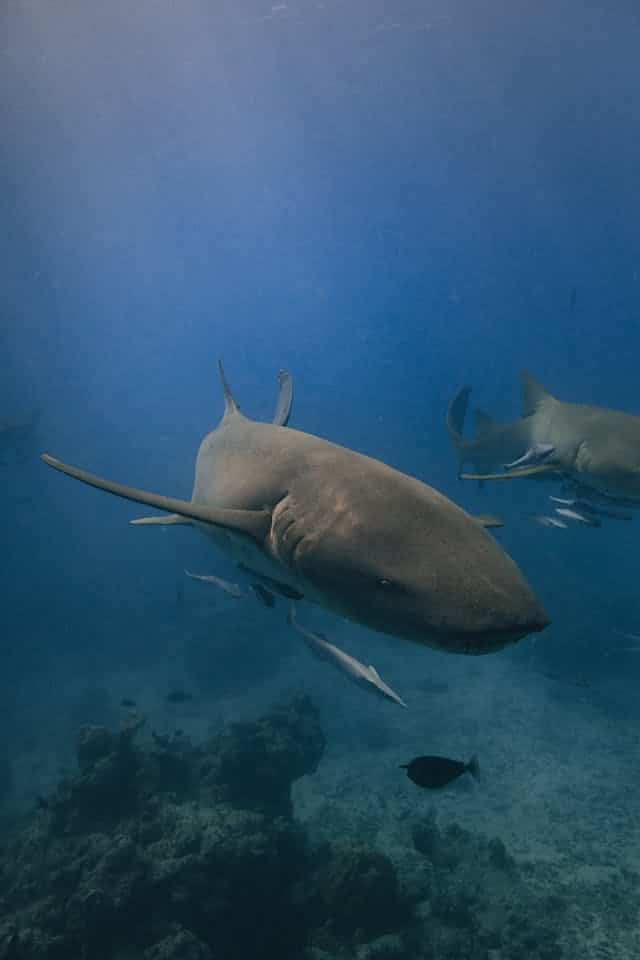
(593, 447)
(366, 677)
(570, 514)
(546, 521)
(233, 589)
(347, 532)
(588, 506)
(435, 772)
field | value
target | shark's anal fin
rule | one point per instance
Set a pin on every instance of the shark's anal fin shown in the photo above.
(170, 520)
(252, 523)
(515, 474)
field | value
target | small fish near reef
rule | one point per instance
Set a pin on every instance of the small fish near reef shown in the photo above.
(179, 696)
(436, 772)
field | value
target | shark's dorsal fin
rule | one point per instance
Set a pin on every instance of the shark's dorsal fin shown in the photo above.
(252, 523)
(285, 399)
(484, 423)
(230, 406)
(533, 394)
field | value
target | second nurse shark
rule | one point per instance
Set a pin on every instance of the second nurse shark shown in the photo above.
(320, 522)
(593, 449)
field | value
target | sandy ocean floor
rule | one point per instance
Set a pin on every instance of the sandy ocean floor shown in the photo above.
(560, 786)
(560, 767)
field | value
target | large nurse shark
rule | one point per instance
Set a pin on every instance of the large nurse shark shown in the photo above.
(321, 522)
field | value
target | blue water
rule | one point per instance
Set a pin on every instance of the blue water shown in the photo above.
(388, 201)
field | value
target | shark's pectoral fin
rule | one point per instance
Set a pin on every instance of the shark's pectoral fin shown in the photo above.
(173, 518)
(512, 474)
(538, 453)
(252, 523)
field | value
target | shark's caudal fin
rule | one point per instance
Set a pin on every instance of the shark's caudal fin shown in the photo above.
(285, 400)
(534, 395)
(252, 523)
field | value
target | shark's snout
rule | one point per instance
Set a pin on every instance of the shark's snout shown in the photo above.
(495, 638)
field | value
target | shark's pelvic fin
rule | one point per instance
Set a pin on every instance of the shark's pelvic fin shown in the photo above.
(253, 523)
(534, 394)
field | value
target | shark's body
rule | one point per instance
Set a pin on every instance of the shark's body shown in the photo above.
(595, 449)
(350, 533)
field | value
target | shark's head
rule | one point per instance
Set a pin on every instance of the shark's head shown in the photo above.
(611, 465)
(411, 563)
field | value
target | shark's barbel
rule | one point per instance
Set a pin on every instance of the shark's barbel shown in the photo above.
(348, 532)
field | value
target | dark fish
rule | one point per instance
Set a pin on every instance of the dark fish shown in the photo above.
(573, 299)
(41, 802)
(434, 772)
(178, 696)
(125, 702)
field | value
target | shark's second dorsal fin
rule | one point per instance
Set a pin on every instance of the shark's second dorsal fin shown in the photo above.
(533, 394)
(285, 399)
(230, 406)
(484, 423)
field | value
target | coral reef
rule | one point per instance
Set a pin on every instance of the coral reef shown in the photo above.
(477, 903)
(164, 850)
